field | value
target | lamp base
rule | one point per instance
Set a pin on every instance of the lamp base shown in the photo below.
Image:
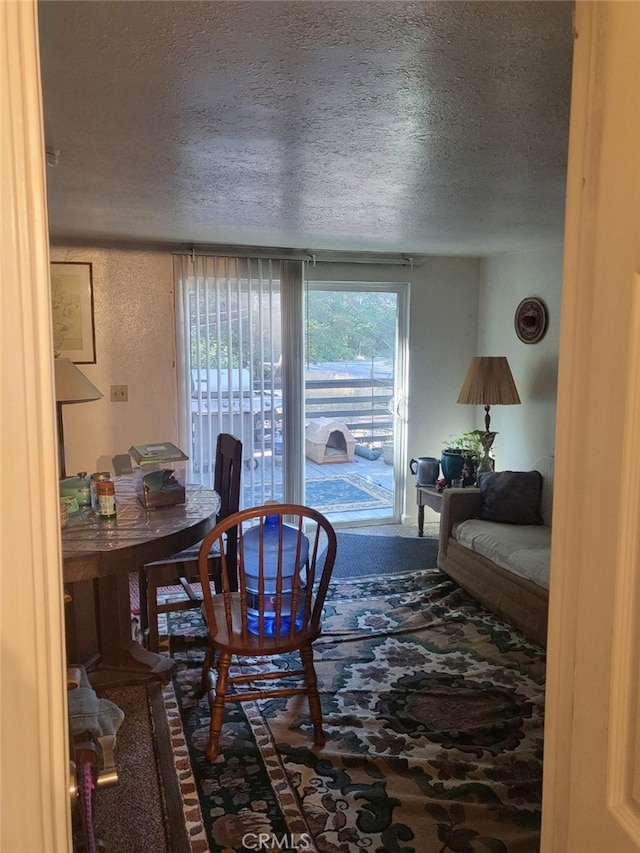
(486, 462)
(485, 465)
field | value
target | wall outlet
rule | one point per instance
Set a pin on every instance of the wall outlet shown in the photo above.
(119, 393)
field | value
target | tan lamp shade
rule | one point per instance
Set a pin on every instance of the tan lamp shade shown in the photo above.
(72, 386)
(489, 382)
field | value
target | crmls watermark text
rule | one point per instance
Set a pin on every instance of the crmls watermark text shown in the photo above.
(270, 841)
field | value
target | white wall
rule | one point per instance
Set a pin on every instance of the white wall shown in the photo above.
(442, 339)
(135, 346)
(526, 431)
(459, 307)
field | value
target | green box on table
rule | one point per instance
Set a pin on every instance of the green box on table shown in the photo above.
(159, 471)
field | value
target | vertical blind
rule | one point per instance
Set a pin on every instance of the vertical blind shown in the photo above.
(229, 360)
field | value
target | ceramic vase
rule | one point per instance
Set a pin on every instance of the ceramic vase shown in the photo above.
(452, 463)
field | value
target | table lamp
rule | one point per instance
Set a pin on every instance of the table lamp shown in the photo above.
(72, 386)
(488, 382)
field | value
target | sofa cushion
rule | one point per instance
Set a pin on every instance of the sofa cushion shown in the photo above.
(511, 497)
(523, 549)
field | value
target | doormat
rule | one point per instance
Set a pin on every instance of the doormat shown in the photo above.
(372, 556)
(329, 494)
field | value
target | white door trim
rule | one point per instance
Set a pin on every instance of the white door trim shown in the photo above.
(34, 758)
(590, 803)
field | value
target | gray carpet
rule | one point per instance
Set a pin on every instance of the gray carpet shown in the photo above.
(131, 816)
(360, 555)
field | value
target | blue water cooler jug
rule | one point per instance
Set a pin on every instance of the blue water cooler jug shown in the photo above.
(271, 537)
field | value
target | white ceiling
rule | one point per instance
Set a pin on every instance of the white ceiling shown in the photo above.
(413, 127)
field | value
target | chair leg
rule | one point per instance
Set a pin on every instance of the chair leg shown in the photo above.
(143, 592)
(311, 681)
(217, 706)
(153, 634)
(208, 665)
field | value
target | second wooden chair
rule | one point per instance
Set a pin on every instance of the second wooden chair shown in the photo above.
(182, 569)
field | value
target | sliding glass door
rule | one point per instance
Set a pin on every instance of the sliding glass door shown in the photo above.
(311, 379)
(355, 346)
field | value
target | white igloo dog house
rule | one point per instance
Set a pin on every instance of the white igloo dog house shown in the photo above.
(327, 440)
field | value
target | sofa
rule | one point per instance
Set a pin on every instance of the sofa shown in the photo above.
(503, 563)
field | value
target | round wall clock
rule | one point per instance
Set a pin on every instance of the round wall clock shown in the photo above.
(531, 320)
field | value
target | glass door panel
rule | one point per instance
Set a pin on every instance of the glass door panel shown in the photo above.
(354, 386)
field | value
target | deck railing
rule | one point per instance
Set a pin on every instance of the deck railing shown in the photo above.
(363, 405)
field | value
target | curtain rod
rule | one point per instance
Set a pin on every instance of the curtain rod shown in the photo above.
(233, 252)
(310, 256)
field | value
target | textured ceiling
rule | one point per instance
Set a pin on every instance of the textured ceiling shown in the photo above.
(413, 127)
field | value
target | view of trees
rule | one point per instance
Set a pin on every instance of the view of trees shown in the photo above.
(346, 326)
(349, 340)
(340, 326)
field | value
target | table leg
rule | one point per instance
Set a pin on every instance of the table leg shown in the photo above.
(420, 520)
(123, 659)
(81, 624)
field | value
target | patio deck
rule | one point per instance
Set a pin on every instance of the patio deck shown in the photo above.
(359, 472)
(374, 471)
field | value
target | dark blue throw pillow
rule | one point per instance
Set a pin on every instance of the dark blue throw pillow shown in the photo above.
(511, 497)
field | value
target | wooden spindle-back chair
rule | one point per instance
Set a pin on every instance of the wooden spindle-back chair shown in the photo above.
(293, 605)
(182, 568)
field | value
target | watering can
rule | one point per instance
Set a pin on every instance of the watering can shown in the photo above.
(425, 469)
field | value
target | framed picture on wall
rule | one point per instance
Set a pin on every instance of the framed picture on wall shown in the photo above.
(72, 309)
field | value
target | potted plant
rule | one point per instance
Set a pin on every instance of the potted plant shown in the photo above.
(461, 455)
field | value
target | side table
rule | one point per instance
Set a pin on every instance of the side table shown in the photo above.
(427, 496)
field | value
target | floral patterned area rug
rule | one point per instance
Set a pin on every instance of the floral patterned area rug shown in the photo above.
(433, 712)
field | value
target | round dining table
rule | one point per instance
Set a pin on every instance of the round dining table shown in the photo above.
(98, 556)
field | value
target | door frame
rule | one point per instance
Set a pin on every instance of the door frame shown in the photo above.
(34, 752)
(592, 758)
(44, 815)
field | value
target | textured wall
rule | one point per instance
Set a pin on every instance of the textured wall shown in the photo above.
(135, 340)
(135, 346)
(459, 307)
